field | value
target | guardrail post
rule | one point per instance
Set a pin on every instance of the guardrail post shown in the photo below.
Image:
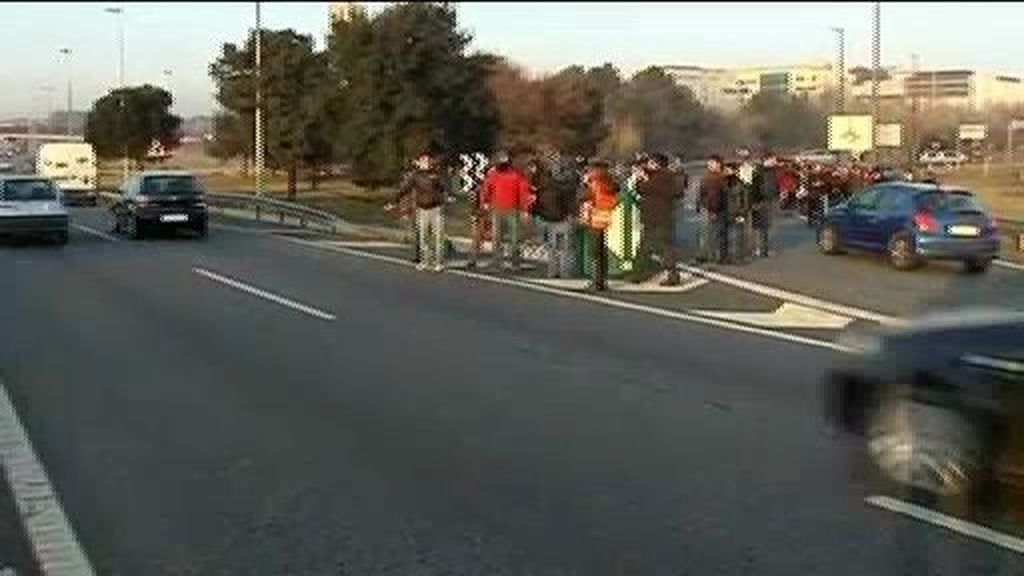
(334, 227)
(280, 216)
(257, 212)
(302, 221)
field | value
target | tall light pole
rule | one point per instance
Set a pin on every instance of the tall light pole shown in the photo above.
(876, 65)
(841, 66)
(912, 137)
(118, 13)
(258, 152)
(48, 90)
(66, 53)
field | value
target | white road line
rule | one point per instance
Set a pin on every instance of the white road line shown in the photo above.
(264, 294)
(654, 311)
(95, 232)
(1008, 264)
(53, 540)
(795, 297)
(950, 523)
(592, 298)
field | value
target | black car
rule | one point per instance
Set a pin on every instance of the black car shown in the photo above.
(939, 403)
(160, 200)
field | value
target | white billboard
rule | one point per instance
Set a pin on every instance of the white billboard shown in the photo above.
(973, 131)
(850, 133)
(889, 135)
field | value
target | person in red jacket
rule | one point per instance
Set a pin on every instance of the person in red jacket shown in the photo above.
(506, 195)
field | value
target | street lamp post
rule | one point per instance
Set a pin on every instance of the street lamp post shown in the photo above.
(841, 67)
(118, 12)
(912, 137)
(258, 152)
(66, 52)
(876, 60)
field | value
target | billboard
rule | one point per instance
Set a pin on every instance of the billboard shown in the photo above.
(850, 133)
(973, 131)
(889, 135)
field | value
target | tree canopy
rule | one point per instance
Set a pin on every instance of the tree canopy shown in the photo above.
(127, 120)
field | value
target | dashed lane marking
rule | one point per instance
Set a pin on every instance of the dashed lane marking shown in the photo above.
(94, 232)
(260, 293)
(53, 540)
(1010, 265)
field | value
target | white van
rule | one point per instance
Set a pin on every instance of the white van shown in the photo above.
(72, 165)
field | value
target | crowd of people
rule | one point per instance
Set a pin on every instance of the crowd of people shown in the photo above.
(738, 199)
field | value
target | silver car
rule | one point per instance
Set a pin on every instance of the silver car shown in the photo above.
(31, 205)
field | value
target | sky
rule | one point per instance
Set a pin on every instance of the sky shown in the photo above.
(185, 37)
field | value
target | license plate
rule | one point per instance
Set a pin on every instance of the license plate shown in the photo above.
(174, 218)
(961, 230)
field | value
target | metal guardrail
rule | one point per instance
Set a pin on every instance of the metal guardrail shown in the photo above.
(265, 208)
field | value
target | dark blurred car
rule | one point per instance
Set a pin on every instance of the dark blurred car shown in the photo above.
(939, 403)
(913, 223)
(160, 200)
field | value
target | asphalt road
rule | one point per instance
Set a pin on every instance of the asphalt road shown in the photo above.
(437, 425)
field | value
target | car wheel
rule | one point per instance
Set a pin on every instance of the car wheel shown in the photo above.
(202, 231)
(901, 252)
(977, 265)
(61, 237)
(926, 447)
(828, 239)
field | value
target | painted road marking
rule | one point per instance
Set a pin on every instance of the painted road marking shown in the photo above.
(367, 244)
(788, 315)
(707, 321)
(950, 523)
(1008, 264)
(795, 297)
(260, 293)
(95, 232)
(53, 540)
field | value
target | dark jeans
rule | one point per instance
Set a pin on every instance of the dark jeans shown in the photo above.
(717, 229)
(656, 241)
(599, 279)
(762, 227)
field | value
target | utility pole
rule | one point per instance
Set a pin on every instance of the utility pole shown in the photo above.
(876, 59)
(258, 152)
(118, 13)
(66, 52)
(841, 67)
(912, 137)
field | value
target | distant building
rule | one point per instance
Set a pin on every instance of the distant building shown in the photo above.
(343, 11)
(957, 88)
(730, 88)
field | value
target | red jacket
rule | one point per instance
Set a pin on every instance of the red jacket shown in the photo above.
(506, 190)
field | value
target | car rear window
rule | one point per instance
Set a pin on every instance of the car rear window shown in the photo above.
(27, 190)
(951, 202)
(170, 186)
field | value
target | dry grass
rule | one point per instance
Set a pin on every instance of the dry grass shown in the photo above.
(1001, 190)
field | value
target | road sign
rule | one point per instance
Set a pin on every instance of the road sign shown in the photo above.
(850, 133)
(889, 135)
(973, 131)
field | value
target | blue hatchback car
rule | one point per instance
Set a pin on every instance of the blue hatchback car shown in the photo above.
(913, 223)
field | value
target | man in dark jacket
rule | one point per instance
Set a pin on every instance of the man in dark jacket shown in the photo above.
(712, 200)
(658, 189)
(426, 186)
(765, 195)
(554, 205)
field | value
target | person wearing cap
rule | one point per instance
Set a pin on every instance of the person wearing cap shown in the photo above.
(658, 191)
(426, 187)
(507, 196)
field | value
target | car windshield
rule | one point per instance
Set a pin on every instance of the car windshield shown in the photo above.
(951, 202)
(170, 186)
(28, 190)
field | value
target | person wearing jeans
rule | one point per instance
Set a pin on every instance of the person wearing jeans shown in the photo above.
(427, 189)
(554, 206)
(506, 193)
